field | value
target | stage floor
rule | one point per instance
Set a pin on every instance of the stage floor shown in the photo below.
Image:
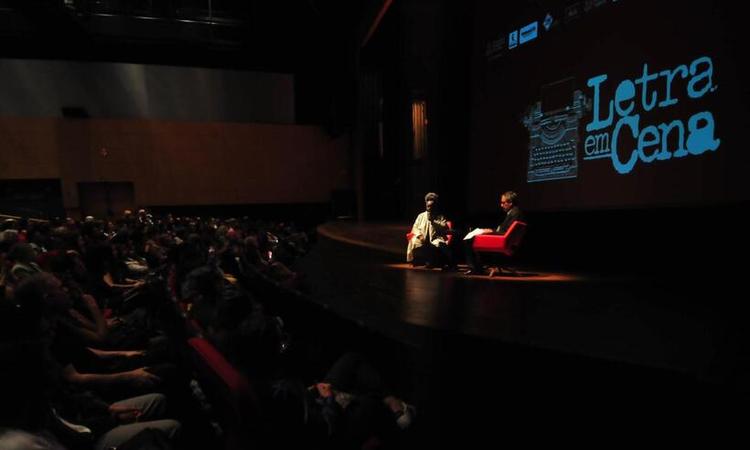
(359, 272)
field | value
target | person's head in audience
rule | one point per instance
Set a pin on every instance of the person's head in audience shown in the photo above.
(6, 245)
(236, 248)
(9, 236)
(90, 231)
(41, 296)
(207, 283)
(22, 252)
(40, 233)
(68, 266)
(64, 238)
(8, 224)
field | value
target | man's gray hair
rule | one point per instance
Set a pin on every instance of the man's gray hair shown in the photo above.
(430, 196)
(511, 197)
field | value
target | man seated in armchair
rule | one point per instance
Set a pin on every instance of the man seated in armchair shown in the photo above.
(509, 204)
(429, 242)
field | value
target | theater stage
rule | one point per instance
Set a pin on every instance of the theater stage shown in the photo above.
(552, 331)
(362, 274)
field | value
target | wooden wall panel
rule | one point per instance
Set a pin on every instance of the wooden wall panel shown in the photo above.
(178, 163)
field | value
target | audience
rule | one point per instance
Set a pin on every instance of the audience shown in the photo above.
(88, 311)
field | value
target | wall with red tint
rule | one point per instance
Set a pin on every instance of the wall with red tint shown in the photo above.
(178, 163)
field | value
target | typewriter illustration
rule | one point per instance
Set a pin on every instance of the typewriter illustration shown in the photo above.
(553, 132)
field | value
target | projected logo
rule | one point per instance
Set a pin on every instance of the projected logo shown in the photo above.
(548, 21)
(616, 131)
(513, 39)
(528, 33)
(630, 140)
(553, 132)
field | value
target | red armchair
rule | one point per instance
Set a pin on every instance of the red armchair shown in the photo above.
(506, 244)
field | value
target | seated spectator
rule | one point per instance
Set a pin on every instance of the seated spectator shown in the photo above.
(36, 394)
(23, 257)
(350, 406)
(262, 262)
(70, 353)
(108, 275)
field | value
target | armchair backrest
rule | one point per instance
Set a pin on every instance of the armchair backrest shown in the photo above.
(514, 235)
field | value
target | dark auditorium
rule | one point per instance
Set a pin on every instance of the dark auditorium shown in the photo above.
(373, 224)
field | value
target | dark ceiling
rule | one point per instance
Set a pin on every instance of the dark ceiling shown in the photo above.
(278, 35)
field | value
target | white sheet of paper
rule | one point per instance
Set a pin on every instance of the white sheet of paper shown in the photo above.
(473, 233)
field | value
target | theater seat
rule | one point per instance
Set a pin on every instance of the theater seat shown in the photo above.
(230, 393)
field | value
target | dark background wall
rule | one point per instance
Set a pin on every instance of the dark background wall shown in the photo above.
(178, 163)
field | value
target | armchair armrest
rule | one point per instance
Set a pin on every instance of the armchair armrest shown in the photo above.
(410, 235)
(490, 243)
